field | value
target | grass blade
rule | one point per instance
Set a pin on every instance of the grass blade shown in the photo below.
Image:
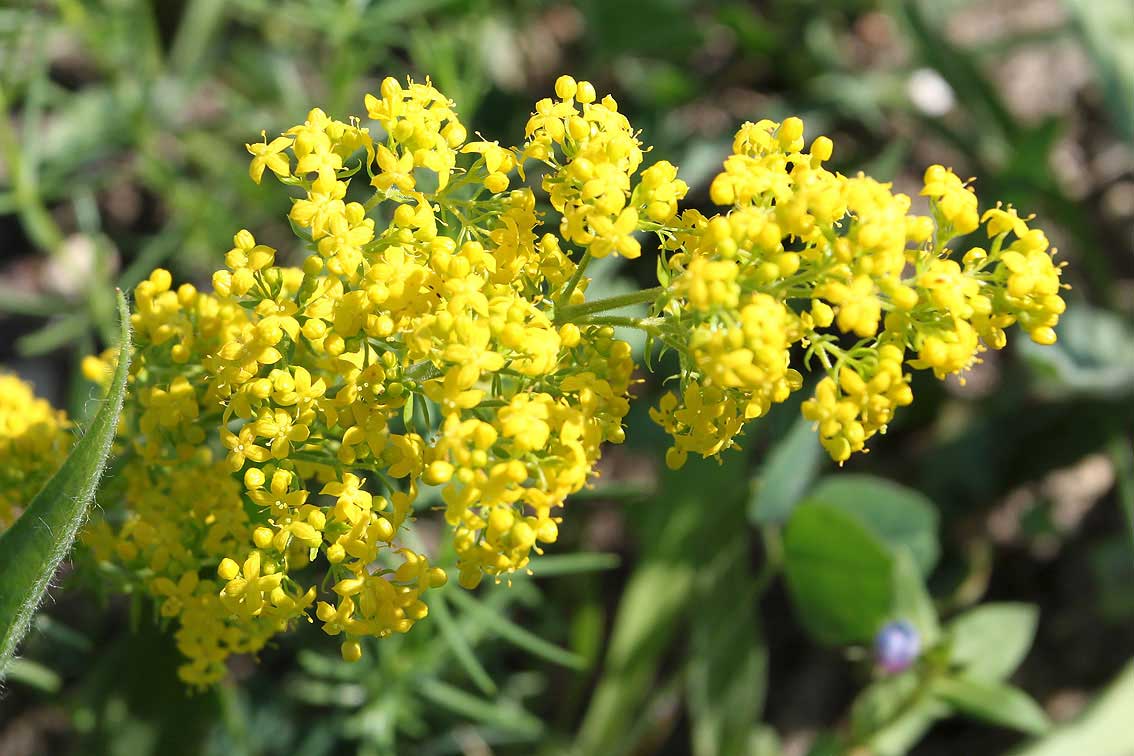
(503, 715)
(459, 644)
(30, 551)
(553, 565)
(516, 635)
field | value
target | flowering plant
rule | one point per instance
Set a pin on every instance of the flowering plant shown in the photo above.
(438, 332)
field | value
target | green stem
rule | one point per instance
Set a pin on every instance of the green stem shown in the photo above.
(565, 298)
(573, 312)
(650, 325)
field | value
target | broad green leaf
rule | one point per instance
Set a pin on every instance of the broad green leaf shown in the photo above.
(1107, 30)
(990, 641)
(912, 602)
(993, 702)
(31, 550)
(1103, 729)
(784, 477)
(1094, 356)
(899, 516)
(839, 574)
(518, 636)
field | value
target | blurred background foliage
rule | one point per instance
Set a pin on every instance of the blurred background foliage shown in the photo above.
(663, 624)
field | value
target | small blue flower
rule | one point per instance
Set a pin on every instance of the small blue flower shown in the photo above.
(896, 647)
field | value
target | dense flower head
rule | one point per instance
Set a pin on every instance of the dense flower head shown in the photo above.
(34, 438)
(314, 402)
(810, 266)
(429, 340)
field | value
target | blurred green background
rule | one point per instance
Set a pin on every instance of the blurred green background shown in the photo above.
(659, 626)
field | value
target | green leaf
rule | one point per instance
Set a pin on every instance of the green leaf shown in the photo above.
(881, 702)
(503, 715)
(899, 516)
(1094, 356)
(56, 334)
(34, 675)
(899, 736)
(677, 539)
(924, 20)
(990, 641)
(992, 702)
(32, 548)
(784, 477)
(553, 565)
(728, 660)
(1103, 729)
(459, 644)
(892, 714)
(518, 636)
(912, 602)
(1107, 30)
(838, 573)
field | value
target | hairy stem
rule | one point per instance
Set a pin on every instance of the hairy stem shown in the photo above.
(573, 313)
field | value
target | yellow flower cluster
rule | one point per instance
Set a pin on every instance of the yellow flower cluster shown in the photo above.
(426, 330)
(312, 402)
(34, 439)
(593, 154)
(840, 266)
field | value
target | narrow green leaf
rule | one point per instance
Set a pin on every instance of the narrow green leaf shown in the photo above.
(990, 641)
(839, 574)
(34, 675)
(32, 548)
(198, 25)
(728, 659)
(459, 644)
(784, 477)
(54, 335)
(503, 715)
(957, 67)
(553, 565)
(993, 702)
(20, 302)
(677, 539)
(516, 635)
